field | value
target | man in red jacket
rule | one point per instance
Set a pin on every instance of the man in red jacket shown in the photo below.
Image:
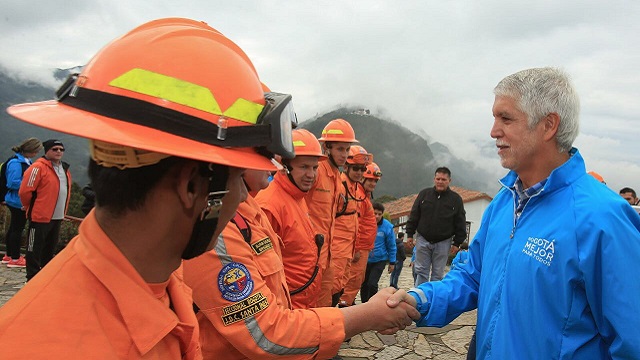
(45, 192)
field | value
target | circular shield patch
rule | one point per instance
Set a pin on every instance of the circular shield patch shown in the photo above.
(234, 282)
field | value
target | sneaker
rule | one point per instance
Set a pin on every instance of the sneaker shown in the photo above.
(20, 263)
(6, 259)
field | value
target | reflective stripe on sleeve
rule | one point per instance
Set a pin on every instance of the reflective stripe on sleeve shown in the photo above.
(268, 346)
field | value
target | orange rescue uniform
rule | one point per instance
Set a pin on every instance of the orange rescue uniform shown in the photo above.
(367, 231)
(322, 200)
(244, 305)
(90, 303)
(286, 209)
(345, 233)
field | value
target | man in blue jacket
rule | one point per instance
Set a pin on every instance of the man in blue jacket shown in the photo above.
(383, 253)
(553, 268)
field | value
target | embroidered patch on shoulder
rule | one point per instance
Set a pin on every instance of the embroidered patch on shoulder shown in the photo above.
(234, 282)
(261, 246)
(244, 309)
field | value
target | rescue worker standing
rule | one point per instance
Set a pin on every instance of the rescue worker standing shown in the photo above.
(284, 204)
(164, 185)
(346, 226)
(322, 198)
(367, 230)
(241, 294)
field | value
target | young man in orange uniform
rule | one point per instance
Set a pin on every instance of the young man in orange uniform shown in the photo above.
(283, 202)
(168, 109)
(346, 227)
(322, 198)
(241, 293)
(367, 230)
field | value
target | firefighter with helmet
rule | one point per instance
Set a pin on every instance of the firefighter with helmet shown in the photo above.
(346, 225)
(322, 199)
(245, 296)
(165, 142)
(367, 231)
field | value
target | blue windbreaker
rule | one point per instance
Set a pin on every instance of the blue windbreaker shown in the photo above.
(560, 283)
(14, 178)
(384, 248)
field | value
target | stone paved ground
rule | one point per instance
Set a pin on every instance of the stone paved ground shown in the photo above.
(448, 343)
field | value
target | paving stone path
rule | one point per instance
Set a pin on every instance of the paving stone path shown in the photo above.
(448, 343)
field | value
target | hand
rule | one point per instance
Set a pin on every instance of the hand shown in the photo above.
(454, 249)
(391, 267)
(356, 256)
(410, 241)
(403, 312)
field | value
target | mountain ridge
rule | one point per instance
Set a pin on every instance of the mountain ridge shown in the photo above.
(407, 159)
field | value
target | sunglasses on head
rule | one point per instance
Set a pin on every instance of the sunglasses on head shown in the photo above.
(359, 168)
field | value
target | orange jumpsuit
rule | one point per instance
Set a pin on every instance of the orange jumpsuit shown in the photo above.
(90, 303)
(345, 233)
(287, 211)
(367, 231)
(245, 310)
(322, 200)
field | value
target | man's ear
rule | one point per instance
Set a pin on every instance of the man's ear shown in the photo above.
(551, 122)
(189, 183)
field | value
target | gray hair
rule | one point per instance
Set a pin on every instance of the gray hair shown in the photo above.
(542, 91)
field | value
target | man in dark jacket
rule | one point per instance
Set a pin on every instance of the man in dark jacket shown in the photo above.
(438, 221)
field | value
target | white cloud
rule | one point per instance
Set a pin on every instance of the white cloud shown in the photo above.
(429, 65)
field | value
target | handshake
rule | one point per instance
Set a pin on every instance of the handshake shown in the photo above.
(388, 311)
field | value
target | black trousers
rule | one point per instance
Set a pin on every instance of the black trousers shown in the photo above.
(371, 277)
(43, 238)
(14, 233)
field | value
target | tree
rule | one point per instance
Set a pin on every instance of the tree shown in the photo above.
(385, 199)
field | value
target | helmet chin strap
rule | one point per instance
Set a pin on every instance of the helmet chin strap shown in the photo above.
(288, 172)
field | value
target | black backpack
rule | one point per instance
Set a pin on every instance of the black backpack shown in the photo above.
(3, 176)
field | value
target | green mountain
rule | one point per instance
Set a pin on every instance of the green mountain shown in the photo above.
(407, 160)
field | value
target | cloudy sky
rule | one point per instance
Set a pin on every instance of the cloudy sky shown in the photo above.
(430, 65)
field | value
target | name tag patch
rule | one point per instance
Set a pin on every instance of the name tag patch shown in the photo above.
(244, 309)
(261, 246)
(234, 282)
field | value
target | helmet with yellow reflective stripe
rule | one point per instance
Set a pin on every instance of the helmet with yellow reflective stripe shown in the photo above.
(358, 155)
(373, 172)
(176, 87)
(306, 144)
(338, 130)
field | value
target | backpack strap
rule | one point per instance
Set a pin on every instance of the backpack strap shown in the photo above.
(244, 228)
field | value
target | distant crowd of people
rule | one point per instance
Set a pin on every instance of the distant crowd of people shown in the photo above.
(190, 252)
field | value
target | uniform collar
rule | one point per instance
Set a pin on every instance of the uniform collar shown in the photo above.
(288, 186)
(147, 319)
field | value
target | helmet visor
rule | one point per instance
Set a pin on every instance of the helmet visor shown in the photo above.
(279, 114)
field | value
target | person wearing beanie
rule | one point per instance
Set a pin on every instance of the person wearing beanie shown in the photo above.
(45, 195)
(15, 167)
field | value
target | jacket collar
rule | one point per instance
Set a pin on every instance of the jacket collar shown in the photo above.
(288, 186)
(147, 319)
(560, 177)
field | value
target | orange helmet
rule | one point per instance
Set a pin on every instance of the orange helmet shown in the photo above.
(177, 87)
(373, 172)
(597, 176)
(338, 130)
(358, 155)
(305, 143)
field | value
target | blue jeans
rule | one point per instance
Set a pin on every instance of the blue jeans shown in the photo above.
(395, 274)
(430, 259)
